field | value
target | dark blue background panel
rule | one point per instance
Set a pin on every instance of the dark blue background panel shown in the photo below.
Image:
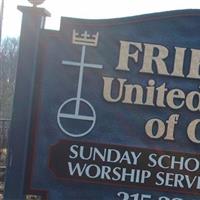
(70, 106)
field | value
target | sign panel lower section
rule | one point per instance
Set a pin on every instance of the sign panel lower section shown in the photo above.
(125, 166)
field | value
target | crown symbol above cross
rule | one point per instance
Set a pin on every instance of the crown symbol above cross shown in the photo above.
(85, 39)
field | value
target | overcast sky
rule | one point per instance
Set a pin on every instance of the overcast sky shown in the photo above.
(89, 9)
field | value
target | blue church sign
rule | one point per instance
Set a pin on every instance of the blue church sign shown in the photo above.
(107, 109)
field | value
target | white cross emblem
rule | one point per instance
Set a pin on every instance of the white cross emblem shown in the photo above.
(84, 40)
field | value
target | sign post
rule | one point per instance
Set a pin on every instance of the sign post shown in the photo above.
(32, 23)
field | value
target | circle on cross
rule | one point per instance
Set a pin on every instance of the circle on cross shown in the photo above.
(76, 124)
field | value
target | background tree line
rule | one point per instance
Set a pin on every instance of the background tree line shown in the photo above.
(8, 67)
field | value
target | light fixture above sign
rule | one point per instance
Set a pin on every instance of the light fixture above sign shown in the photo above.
(36, 2)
